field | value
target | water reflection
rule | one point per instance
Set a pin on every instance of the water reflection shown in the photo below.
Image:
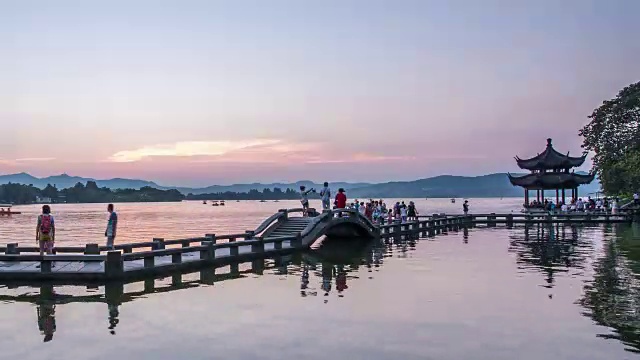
(551, 249)
(605, 258)
(612, 297)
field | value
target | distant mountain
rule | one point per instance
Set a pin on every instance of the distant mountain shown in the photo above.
(492, 185)
(64, 181)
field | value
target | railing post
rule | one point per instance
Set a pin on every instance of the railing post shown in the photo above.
(285, 215)
(211, 237)
(158, 244)
(204, 253)
(397, 232)
(235, 250)
(12, 249)
(113, 266)
(149, 261)
(127, 249)
(277, 245)
(248, 234)
(258, 247)
(91, 249)
(510, 220)
(45, 265)
(185, 243)
(176, 258)
(297, 242)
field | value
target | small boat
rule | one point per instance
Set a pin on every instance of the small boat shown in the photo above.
(453, 200)
(5, 210)
(204, 202)
(222, 203)
(215, 203)
(263, 200)
(277, 201)
(237, 200)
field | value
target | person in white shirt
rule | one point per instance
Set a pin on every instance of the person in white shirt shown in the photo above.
(325, 193)
(564, 208)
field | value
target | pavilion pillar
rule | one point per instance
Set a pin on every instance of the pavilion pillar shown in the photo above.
(577, 194)
(542, 195)
(526, 196)
(557, 196)
(563, 199)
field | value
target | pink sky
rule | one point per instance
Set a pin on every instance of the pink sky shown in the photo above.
(204, 93)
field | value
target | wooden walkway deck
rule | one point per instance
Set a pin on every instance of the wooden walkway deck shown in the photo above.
(278, 235)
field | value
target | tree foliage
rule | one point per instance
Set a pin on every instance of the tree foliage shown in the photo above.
(613, 134)
(91, 193)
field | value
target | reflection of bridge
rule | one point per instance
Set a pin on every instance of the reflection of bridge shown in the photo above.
(280, 234)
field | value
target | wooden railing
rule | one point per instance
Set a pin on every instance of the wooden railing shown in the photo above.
(199, 251)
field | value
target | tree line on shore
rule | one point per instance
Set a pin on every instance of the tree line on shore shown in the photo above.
(253, 194)
(80, 193)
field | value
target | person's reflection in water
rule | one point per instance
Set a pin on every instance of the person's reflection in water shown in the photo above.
(341, 280)
(47, 319)
(327, 276)
(113, 318)
(465, 235)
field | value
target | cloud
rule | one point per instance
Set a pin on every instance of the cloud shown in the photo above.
(258, 151)
(187, 149)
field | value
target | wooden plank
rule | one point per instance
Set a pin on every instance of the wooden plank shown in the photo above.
(93, 267)
(72, 267)
(18, 265)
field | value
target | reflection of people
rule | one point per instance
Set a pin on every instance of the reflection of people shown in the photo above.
(304, 280)
(341, 281)
(327, 276)
(113, 318)
(47, 320)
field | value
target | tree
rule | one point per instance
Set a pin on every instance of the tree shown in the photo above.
(613, 134)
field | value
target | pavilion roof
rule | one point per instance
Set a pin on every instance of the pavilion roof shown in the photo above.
(550, 158)
(551, 180)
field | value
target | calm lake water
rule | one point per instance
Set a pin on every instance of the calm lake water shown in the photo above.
(541, 292)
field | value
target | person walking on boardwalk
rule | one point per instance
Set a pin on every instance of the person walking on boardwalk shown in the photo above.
(112, 226)
(45, 231)
(325, 193)
(465, 207)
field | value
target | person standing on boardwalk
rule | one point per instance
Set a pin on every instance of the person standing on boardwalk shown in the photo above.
(325, 193)
(45, 231)
(304, 199)
(465, 207)
(112, 226)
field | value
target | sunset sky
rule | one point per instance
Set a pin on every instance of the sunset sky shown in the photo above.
(215, 92)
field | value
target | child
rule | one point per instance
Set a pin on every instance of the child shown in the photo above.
(304, 199)
(390, 216)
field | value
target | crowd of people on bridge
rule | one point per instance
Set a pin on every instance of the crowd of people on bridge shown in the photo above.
(577, 205)
(376, 211)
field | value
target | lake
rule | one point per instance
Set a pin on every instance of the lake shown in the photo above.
(539, 292)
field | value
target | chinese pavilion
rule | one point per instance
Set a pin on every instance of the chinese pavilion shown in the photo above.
(550, 171)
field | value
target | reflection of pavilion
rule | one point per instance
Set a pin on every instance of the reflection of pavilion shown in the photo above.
(551, 249)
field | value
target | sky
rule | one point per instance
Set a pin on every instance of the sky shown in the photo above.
(196, 93)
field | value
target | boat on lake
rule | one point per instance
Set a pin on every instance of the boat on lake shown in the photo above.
(5, 210)
(215, 203)
(453, 200)
(204, 202)
(222, 203)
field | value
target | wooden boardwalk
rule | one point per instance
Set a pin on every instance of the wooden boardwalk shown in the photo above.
(280, 234)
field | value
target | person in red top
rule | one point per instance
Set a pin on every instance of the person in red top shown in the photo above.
(341, 199)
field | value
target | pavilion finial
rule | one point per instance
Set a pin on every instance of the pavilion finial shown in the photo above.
(549, 142)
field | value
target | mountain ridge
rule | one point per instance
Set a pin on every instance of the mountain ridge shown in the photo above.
(489, 185)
